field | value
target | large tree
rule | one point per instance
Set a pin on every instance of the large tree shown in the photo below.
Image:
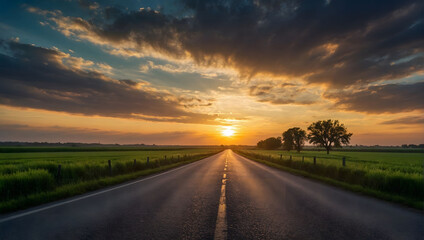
(294, 138)
(270, 143)
(328, 134)
(288, 141)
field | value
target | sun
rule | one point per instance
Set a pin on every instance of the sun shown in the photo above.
(228, 132)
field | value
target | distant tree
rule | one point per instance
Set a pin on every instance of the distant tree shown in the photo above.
(328, 133)
(270, 143)
(294, 138)
(260, 144)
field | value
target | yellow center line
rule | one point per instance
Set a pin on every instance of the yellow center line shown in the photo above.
(221, 220)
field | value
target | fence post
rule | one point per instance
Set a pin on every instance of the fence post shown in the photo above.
(178, 157)
(315, 160)
(147, 160)
(281, 156)
(290, 157)
(110, 167)
(165, 157)
(59, 167)
(344, 161)
(135, 161)
(303, 158)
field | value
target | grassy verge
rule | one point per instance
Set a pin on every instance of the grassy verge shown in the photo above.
(352, 180)
(52, 193)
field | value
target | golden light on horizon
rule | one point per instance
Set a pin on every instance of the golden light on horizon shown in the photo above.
(228, 131)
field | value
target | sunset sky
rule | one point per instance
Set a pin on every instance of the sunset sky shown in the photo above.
(210, 72)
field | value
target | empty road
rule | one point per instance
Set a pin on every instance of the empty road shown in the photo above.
(224, 196)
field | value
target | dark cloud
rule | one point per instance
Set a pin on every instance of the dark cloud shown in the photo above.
(88, 4)
(390, 98)
(36, 77)
(256, 90)
(406, 120)
(286, 93)
(340, 42)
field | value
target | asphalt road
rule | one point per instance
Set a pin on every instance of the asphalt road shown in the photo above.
(246, 200)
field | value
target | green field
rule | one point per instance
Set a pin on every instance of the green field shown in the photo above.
(392, 176)
(32, 176)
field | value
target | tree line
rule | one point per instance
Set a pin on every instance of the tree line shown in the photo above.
(325, 133)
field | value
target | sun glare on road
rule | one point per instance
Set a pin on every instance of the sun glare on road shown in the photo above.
(228, 131)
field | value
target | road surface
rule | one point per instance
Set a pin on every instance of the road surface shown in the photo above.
(224, 196)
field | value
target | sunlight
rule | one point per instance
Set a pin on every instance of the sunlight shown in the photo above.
(228, 131)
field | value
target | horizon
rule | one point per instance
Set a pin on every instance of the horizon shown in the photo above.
(209, 73)
(307, 145)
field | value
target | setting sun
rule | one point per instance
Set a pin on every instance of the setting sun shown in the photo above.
(228, 132)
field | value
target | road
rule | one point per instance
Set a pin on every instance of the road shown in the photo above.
(224, 196)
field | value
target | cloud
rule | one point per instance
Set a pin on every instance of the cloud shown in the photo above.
(390, 98)
(186, 67)
(339, 43)
(42, 78)
(89, 4)
(406, 120)
(26, 133)
(284, 93)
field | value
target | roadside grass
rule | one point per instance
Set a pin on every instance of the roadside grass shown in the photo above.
(396, 177)
(30, 179)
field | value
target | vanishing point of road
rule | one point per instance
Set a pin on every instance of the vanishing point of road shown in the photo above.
(224, 196)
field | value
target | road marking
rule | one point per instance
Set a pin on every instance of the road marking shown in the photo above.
(221, 220)
(98, 193)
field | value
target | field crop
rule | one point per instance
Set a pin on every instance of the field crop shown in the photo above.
(36, 175)
(392, 176)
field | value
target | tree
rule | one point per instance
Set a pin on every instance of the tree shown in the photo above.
(288, 140)
(294, 138)
(328, 134)
(270, 143)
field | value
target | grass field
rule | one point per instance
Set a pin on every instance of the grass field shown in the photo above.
(30, 178)
(392, 176)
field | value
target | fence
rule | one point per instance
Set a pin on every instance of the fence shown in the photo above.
(377, 180)
(65, 174)
(48, 177)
